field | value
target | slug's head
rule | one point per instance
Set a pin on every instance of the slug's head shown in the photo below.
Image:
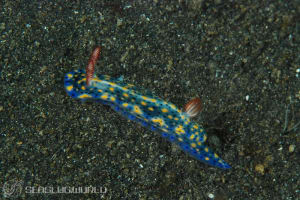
(75, 84)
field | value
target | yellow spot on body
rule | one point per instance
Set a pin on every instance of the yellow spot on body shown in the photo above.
(70, 75)
(125, 94)
(204, 138)
(100, 90)
(206, 149)
(111, 89)
(192, 136)
(193, 145)
(179, 130)
(173, 106)
(182, 117)
(216, 156)
(137, 109)
(180, 139)
(112, 84)
(164, 110)
(81, 80)
(170, 117)
(143, 103)
(125, 105)
(69, 88)
(160, 121)
(153, 100)
(104, 96)
(199, 143)
(124, 88)
(145, 119)
(82, 87)
(150, 108)
(206, 158)
(95, 78)
(112, 98)
(196, 133)
(83, 96)
(176, 118)
(201, 130)
(165, 130)
(145, 98)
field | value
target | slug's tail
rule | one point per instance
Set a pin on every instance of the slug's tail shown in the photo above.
(204, 154)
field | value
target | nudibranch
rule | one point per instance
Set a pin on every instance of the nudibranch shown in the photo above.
(145, 108)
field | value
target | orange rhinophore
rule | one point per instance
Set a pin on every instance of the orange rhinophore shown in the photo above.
(91, 65)
(193, 107)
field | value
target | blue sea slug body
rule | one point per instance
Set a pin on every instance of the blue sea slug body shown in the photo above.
(145, 108)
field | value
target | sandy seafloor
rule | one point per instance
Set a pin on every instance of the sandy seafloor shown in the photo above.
(241, 57)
